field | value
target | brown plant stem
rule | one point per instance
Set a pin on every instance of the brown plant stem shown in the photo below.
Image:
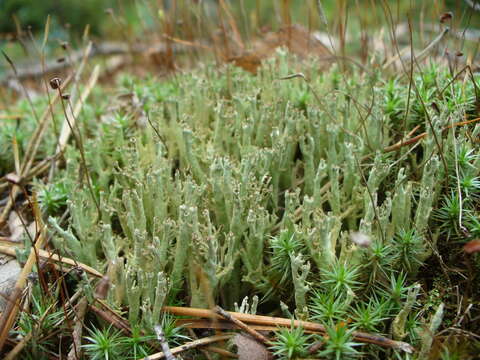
(230, 317)
(415, 139)
(275, 321)
(48, 256)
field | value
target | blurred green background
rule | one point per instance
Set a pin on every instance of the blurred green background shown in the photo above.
(77, 14)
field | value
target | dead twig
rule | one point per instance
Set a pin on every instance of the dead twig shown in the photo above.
(48, 256)
(255, 334)
(222, 325)
(275, 321)
(413, 140)
(221, 351)
(111, 318)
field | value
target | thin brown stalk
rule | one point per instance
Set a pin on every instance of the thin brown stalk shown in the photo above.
(23, 89)
(70, 119)
(413, 140)
(187, 43)
(423, 54)
(112, 319)
(19, 347)
(78, 138)
(222, 325)
(30, 154)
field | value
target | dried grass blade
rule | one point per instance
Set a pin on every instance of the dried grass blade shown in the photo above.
(190, 345)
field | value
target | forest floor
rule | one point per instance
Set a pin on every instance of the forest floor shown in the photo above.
(329, 201)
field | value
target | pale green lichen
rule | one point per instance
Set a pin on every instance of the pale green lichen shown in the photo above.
(198, 212)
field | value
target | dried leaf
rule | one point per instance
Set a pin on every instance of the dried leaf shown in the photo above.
(249, 349)
(446, 17)
(248, 62)
(295, 38)
(472, 246)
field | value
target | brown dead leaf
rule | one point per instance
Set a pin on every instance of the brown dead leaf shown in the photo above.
(295, 38)
(248, 62)
(249, 349)
(472, 246)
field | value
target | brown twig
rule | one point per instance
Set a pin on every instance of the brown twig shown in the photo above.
(221, 325)
(111, 318)
(423, 54)
(19, 347)
(255, 334)
(190, 345)
(48, 256)
(413, 140)
(275, 321)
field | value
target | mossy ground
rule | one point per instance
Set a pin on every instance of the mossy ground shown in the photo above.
(281, 193)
